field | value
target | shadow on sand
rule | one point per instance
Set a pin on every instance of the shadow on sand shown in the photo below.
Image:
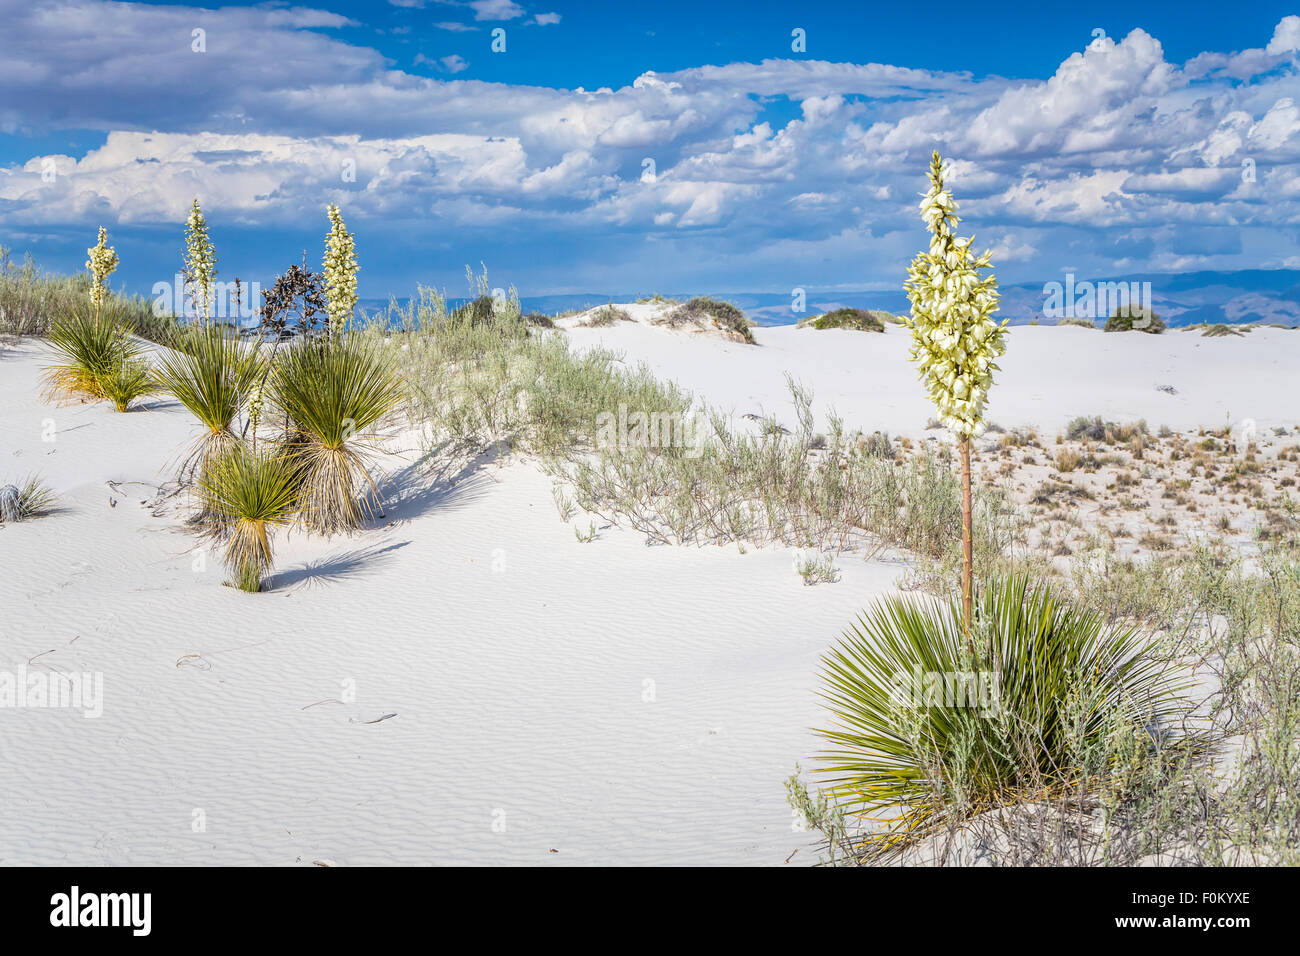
(355, 563)
(412, 494)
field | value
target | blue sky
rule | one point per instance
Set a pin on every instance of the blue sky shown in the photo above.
(1120, 138)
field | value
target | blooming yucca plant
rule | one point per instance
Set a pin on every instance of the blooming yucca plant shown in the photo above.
(340, 269)
(200, 261)
(102, 262)
(954, 337)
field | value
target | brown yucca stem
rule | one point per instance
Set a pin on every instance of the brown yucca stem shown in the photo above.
(967, 570)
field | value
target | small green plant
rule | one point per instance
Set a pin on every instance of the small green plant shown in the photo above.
(334, 393)
(123, 383)
(30, 499)
(1082, 323)
(816, 568)
(249, 493)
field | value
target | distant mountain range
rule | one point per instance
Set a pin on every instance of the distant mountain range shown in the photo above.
(1250, 295)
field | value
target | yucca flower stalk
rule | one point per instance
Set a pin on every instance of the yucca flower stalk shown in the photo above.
(212, 374)
(954, 337)
(334, 393)
(340, 269)
(249, 493)
(256, 399)
(200, 261)
(102, 263)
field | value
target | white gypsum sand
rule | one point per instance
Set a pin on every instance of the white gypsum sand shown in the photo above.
(1049, 375)
(613, 702)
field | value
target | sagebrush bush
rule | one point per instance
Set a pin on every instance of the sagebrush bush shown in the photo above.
(862, 320)
(1128, 318)
(31, 299)
(703, 312)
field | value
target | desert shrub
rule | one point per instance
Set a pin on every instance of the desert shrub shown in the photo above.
(95, 352)
(30, 499)
(294, 305)
(249, 493)
(833, 491)
(1030, 708)
(860, 319)
(1067, 460)
(1130, 317)
(334, 393)
(478, 311)
(703, 311)
(476, 389)
(31, 300)
(1220, 330)
(606, 316)
(1096, 429)
(1082, 323)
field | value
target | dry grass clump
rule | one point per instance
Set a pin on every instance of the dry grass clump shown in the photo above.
(1109, 433)
(30, 499)
(606, 316)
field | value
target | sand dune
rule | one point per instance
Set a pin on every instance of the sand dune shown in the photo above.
(466, 682)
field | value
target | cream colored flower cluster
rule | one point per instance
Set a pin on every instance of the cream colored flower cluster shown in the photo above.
(954, 337)
(340, 269)
(102, 262)
(200, 258)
